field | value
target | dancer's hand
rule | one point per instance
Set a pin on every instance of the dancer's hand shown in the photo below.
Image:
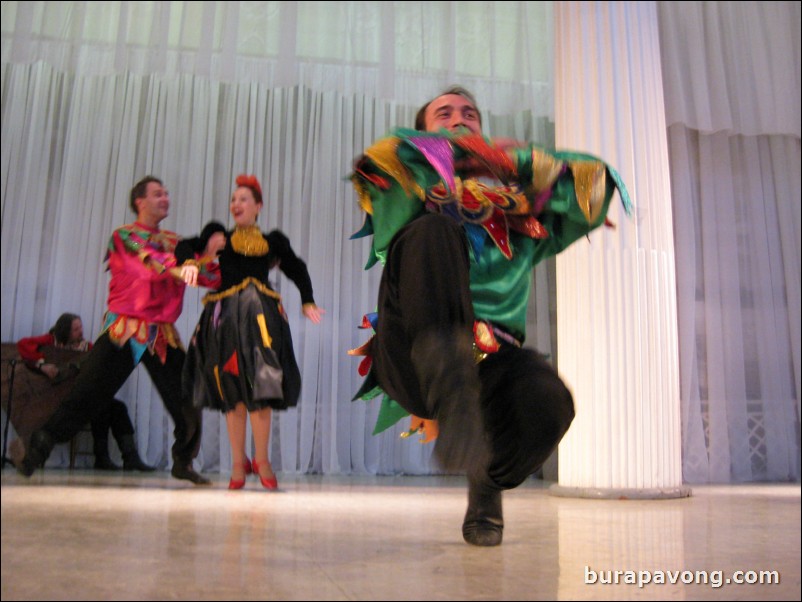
(50, 370)
(313, 312)
(217, 243)
(428, 429)
(189, 274)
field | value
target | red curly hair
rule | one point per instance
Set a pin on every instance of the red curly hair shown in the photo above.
(250, 182)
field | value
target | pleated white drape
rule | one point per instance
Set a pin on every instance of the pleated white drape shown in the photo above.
(732, 94)
(96, 95)
(617, 322)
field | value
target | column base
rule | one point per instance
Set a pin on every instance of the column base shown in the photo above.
(601, 493)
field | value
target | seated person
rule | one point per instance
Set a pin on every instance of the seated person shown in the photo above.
(68, 333)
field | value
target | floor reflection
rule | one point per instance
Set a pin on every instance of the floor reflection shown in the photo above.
(86, 535)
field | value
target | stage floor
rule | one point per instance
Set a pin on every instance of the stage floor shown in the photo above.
(87, 535)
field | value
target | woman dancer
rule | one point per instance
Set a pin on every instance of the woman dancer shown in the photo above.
(240, 359)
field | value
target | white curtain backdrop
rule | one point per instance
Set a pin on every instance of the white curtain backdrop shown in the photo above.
(731, 74)
(97, 95)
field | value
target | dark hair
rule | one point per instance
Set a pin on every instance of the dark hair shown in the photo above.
(63, 328)
(420, 118)
(140, 190)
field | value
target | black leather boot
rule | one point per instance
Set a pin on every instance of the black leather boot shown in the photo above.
(186, 472)
(484, 522)
(131, 459)
(102, 458)
(445, 365)
(38, 450)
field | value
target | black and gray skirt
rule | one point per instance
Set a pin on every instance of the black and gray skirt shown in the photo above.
(242, 351)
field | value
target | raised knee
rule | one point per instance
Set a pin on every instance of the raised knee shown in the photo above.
(432, 227)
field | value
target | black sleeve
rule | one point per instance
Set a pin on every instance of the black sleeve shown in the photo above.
(188, 248)
(185, 249)
(292, 265)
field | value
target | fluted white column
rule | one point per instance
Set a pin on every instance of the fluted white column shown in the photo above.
(616, 293)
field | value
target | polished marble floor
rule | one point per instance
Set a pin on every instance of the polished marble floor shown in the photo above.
(87, 535)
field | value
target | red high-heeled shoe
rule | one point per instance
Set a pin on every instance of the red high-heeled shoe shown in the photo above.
(240, 483)
(271, 483)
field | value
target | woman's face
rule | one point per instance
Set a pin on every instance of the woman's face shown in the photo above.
(244, 208)
(76, 332)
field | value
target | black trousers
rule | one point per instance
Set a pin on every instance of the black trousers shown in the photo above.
(113, 416)
(104, 371)
(425, 287)
(526, 408)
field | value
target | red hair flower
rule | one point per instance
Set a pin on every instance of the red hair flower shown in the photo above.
(251, 182)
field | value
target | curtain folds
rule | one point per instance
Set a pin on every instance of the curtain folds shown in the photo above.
(85, 115)
(96, 95)
(732, 91)
(732, 66)
(398, 51)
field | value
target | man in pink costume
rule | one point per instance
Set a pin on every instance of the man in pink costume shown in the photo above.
(146, 295)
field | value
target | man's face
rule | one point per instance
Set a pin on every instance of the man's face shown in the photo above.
(155, 205)
(452, 112)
